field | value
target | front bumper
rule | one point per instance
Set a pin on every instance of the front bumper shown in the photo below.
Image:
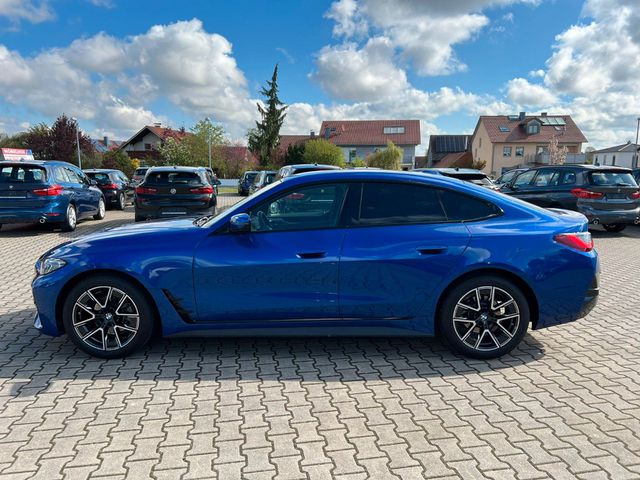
(626, 217)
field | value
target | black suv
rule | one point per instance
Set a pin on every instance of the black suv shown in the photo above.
(117, 188)
(173, 191)
(605, 195)
(244, 184)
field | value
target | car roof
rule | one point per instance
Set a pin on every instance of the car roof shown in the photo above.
(583, 167)
(37, 163)
(304, 166)
(101, 170)
(177, 169)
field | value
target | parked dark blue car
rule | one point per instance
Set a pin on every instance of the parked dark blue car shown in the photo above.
(49, 192)
(328, 253)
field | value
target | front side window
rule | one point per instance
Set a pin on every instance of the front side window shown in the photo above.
(524, 178)
(399, 204)
(307, 208)
(506, 151)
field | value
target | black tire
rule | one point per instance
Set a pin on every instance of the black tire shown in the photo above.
(102, 208)
(139, 219)
(614, 227)
(70, 220)
(473, 326)
(137, 303)
(121, 201)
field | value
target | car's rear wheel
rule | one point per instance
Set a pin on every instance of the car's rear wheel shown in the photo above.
(70, 220)
(614, 227)
(101, 210)
(108, 317)
(121, 201)
(484, 317)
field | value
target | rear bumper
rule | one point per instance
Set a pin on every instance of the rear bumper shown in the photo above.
(48, 215)
(611, 216)
(162, 212)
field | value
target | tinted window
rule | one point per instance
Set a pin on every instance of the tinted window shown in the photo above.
(101, 178)
(459, 207)
(507, 177)
(22, 174)
(568, 178)
(61, 175)
(525, 178)
(140, 171)
(313, 207)
(72, 175)
(546, 178)
(475, 178)
(399, 203)
(174, 178)
(609, 178)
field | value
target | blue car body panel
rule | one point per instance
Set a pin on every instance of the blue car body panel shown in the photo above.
(383, 280)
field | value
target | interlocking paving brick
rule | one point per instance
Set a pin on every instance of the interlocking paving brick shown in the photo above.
(565, 404)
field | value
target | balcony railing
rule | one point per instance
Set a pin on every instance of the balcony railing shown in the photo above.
(544, 158)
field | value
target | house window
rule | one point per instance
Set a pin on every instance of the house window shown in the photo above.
(506, 151)
(391, 130)
(519, 151)
(147, 146)
(533, 128)
(613, 161)
(604, 162)
(352, 155)
(480, 142)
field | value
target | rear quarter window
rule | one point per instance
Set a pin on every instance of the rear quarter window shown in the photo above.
(464, 208)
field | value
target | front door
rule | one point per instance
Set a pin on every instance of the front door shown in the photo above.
(285, 269)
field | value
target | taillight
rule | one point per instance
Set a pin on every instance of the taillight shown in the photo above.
(110, 186)
(146, 190)
(202, 190)
(51, 191)
(635, 195)
(587, 194)
(580, 241)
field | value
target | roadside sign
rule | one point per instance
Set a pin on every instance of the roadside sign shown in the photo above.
(15, 154)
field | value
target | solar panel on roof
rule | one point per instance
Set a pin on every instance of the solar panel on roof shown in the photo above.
(552, 121)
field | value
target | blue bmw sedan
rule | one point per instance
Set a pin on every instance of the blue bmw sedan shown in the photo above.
(328, 253)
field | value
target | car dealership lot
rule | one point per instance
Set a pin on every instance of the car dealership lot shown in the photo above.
(565, 404)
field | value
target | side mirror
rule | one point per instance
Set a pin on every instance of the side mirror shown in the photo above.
(93, 183)
(218, 182)
(240, 223)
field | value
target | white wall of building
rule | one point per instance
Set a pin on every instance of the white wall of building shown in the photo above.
(619, 159)
(150, 138)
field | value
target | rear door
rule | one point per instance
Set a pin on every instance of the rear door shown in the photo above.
(615, 188)
(399, 250)
(79, 192)
(17, 185)
(178, 191)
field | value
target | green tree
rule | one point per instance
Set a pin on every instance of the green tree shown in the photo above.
(294, 154)
(59, 141)
(173, 152)
(322, 151)
(120, 161)
(389, 158)
(198, 144)
(17, 140)
(38, 139)
(358, 163)
(264, 138)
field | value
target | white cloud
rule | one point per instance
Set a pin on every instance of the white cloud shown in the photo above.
(521, 92)
(349, 22)
(28, 10)
(369, 73)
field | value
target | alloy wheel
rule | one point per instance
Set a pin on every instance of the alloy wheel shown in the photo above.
(71, 216)
(105, 318)
(486, 318)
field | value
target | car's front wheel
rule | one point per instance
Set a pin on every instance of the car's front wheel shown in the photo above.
(484, 317)
(108, 317)
(614, 227)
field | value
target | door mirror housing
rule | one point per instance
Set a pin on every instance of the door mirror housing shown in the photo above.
(93, 183)
(240, 223)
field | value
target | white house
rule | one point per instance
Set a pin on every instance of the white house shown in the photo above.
(620, 155)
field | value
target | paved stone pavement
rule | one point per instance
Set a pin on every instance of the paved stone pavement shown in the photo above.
(566, 404)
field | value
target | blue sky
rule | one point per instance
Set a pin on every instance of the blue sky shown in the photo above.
(117, 65)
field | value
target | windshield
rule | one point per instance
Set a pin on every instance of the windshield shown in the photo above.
(612, 178)
(141, 171)
(22, 174)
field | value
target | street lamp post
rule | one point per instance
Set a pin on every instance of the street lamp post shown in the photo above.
(209, 138)
(78, 142)
(635, 157)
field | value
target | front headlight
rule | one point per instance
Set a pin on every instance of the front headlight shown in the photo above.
(49, 265)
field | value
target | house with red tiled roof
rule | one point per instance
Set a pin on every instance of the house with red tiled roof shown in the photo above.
(359, 138)
(145, 143)
(510, 141)
(105, 144)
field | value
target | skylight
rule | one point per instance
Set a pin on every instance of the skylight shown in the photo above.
(503, 128)
(552, 121)
(389, 130)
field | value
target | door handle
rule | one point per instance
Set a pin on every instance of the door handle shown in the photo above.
(310, 255)
(431, 250)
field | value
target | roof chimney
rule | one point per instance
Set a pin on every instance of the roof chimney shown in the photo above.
(312, 134)
(522, 115)
(543, 114)
(157, 124)
(106, 141)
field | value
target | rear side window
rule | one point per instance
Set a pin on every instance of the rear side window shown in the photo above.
(174, 178)
(399, 204)
(611, 178)
(568, 178)
(461, 208)
(22, 174)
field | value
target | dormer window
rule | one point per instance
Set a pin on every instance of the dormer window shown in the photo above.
(533, 127)
(392, 130)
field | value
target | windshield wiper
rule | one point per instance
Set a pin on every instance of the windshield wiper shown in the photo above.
(198, 222)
